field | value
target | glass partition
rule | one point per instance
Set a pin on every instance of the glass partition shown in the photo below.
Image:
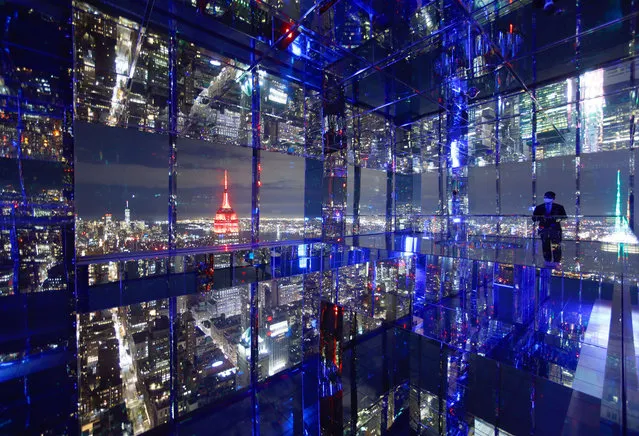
(122, 71)
(515, 196)
(292, 217)
(481, 192)
(456, 316)
(213, 194)
(124, 366)
(120, 190)
(281, 197)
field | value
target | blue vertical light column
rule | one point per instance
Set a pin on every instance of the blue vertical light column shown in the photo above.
(256, 169)
(17, 143)
(15, 251)
(172, 211)
(498, 107)
(334, 143)
(533, 125)
(357, 172)
(578, 128)
(457, 152)
(256, 165)
(68, 249)
(441, 167)
(633, 101)
(455, 63)
(392, 165)
(455, 93)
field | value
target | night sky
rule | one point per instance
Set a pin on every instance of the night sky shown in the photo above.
(598, 184)
(114, 165)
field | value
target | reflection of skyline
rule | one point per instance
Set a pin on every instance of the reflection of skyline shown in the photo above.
(111, 172)
(120, 319)
(116, 165)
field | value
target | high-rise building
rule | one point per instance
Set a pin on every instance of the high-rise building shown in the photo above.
(227, 302)
(127, 214)
(277, 344)
(109, 388)
(159, 347)
(243, 376)
(226, 225)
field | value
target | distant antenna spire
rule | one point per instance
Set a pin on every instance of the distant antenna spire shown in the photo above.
(225, 203)
(618, 203)
(127, 204)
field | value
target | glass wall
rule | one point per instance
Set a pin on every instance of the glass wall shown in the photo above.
(162, 291)
(122, 71)
(38, 370)
(281, 197)
(516, 197)
(602, 135)
(482, 199)
(122, 197)
(120, 190)
(532, 110)
(214, 186)
(197, 198)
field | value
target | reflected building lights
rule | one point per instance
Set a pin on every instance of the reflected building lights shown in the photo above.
(226, 225)
(378, 303)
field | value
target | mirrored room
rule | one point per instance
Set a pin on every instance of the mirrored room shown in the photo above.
(319, 217)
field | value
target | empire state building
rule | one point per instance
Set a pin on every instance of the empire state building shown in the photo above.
(226, 225)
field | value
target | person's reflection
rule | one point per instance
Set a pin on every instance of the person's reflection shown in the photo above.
(549, 215)
(456, 224)
(201, 6)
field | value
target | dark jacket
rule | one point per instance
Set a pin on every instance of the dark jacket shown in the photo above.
(551, 221)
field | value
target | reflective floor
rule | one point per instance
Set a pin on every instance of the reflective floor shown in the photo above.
(394, 334)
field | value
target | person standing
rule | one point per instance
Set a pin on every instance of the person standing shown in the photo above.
(548, 215)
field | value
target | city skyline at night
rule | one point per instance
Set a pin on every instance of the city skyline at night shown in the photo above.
(110, 170)
(140, 180)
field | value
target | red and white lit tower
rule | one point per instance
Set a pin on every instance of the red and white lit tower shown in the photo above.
(226, 225)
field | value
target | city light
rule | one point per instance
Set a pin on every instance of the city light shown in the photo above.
(277, 96)
(322, 227)
(279, 328)
(454, 154)
(296, 49)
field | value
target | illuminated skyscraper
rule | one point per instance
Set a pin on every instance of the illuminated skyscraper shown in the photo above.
(127, 214)
(622, 235)
(227, 225)
(592, 91)
(278, 344)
